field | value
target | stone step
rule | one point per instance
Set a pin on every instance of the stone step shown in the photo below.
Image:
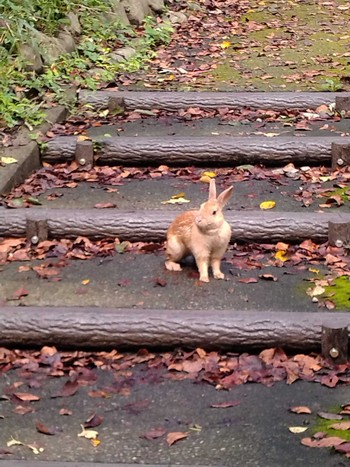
(212, 100)
(200, 151)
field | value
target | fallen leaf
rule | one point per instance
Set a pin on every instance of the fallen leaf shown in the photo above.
(300, 409)
(341, 425)
(175, 436)
(161, 282)
(248, 280)
(65, 411)
(88, 434)
(35, 449)
(225, 405)
(209, 174)
(329, 416)
(225, 44)
(93, 421)
(95, 442)
(19, 293)
(105, 205)
(85, 281)
(8, 160)
(69, 389)
(267, 205)
(344, 448)
(153, 433)
(297, 429)
(317, 290)
(176, 201)
(26, 396)
(41, 428)
(327, 442)
(13, 442)
(282, 256)
(268, 277)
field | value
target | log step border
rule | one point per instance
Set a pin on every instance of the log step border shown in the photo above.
(151, 225)
(172, 101)
(89, 328)
(201, 150)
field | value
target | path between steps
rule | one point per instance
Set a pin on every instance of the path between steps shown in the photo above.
(254, 432)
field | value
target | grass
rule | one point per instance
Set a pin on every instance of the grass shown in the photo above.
(24, 94)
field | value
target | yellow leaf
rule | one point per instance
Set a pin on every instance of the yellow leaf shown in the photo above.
(35, 449)
(8, 160)
(176, 201)
(282, 255)
(178, 195)
(85, 281)
(297, 429)
(271, 135)
(88, 434)
(209, 174)
(83, 138)
(316, 271)
(317, 290)
(225, 44)
(13, 442)
(325, 179)
(267, 205)
(205, 179)
(95, 442)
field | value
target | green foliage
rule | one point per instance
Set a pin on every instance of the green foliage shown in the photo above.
(23, 93)
(332, 85)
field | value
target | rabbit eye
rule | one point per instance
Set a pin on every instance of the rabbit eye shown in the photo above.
(214, 212)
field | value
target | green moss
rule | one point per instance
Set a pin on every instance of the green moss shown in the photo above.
(344, 193)
(324, 426)
(339, 292)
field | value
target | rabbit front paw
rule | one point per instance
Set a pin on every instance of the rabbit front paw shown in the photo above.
(172, 266)
(219, 275)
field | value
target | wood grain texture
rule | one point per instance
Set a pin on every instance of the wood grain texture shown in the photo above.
(201, 150)
(268, 226)
(168, 100)
(85, 328)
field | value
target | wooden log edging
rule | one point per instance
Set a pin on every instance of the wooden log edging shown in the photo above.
(151, 225)
(86, 328)
(201, 150)
(176, 100)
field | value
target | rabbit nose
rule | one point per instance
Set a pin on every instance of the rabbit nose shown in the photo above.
(198, 219)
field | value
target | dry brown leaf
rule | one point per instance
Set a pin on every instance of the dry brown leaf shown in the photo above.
(176, 436)
(300, 409)
(26, 396)
(327, 442)
(341, 425)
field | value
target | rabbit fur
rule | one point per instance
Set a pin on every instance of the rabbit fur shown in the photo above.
(204, 233)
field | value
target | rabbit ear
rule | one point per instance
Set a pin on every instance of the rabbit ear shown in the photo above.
(225, 196)
(212, 189)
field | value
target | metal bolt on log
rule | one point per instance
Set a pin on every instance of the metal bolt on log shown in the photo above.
(339, 234)
(36, 231)
(335, 344)
(84, 153)
(342, 103)
(340, 154)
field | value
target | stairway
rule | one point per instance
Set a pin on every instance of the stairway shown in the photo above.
(121, 177)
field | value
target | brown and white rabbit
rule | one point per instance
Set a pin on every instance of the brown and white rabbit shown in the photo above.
(204, 233)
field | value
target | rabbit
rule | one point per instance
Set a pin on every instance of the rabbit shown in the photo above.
(204, 233)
